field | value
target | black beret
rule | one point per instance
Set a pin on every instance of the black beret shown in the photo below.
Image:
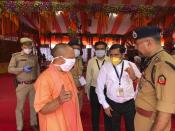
(146, 31)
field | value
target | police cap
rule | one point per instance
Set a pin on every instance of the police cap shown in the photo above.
(26, 40)
(146, 31)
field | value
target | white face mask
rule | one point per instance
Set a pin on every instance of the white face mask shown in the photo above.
(27, 51)
(100, 53)
(67, 66)
(77, 52)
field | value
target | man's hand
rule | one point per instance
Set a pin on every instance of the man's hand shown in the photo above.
(54, 104)
(161, 122)
(64, 95)
(131, 72)
(108, 111)
(87, 92)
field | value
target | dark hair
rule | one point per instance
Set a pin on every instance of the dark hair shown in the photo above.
(75, 42)
(121, 48)
(173, 52)
(100, 43)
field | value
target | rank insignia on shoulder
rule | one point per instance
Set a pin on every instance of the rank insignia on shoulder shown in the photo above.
(161, 80)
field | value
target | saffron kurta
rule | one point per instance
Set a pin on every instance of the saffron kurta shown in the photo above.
(48, 86)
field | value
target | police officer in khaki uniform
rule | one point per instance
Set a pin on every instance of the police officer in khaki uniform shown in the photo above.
(26, 68)
(155, 101)
(77, 70)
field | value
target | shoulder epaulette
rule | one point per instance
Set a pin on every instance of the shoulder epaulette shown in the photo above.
(14, 54)
(170, 64)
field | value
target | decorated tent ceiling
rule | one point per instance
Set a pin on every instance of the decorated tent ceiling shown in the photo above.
(91, 16)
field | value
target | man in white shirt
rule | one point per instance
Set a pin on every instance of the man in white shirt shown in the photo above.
(93, 69)
(118, 76)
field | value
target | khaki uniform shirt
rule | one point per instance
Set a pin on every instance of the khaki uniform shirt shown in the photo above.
(77, 71)
(157, 87)
(18, 61)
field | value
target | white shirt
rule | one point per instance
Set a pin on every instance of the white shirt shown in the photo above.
(107, 76)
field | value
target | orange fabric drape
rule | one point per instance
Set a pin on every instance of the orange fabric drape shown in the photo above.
(102, 22)
(10, 23)
(45, 22)
(140, 20)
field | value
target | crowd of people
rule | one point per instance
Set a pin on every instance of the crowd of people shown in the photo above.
(141, 92)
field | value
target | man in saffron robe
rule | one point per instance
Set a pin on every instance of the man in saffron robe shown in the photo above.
(56, 98)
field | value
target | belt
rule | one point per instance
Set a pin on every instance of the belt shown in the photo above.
(113, 102)
(144, 112)
(26, 82)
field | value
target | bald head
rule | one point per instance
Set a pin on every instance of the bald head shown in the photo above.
(63, 50)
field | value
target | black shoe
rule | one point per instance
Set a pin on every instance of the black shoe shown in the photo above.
(35, 128)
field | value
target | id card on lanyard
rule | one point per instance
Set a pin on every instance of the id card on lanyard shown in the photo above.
(120, 90)
(101, 64)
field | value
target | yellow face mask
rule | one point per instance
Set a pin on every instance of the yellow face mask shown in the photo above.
(115, 60)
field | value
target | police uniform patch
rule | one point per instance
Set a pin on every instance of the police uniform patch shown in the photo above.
(161, 80)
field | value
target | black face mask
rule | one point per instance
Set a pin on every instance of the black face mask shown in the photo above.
(145, 62)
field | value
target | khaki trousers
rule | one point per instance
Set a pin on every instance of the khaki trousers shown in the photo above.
(142, 123)
(22, 91)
